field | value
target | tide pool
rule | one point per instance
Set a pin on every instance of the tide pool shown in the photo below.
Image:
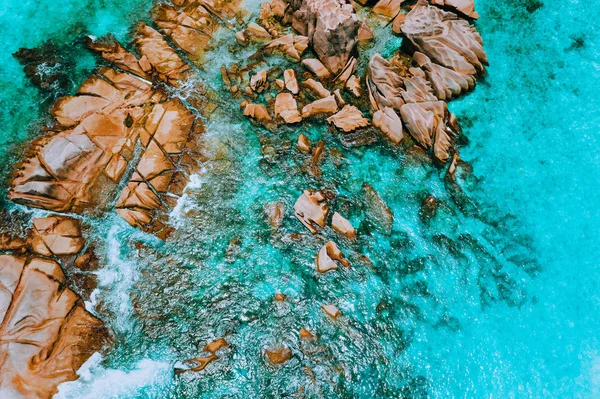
(498, 300)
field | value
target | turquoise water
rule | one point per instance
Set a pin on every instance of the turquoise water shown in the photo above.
(498, 299)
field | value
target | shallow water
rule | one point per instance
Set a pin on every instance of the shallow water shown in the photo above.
(497, 299)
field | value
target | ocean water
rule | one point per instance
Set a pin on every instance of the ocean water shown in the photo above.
(495, 297)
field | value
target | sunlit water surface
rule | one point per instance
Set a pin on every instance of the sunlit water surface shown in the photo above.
(493, 298)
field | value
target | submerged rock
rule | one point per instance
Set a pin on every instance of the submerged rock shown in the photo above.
(428, 208)
(343, 226)
(274, 211)
(331, 311)
(303, 143)
(199, 363)
(46, 333)
(311, 209)
(328, 256)
(278, 355)
(377, 210)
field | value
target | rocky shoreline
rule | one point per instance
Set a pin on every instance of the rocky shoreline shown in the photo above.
(124, 143)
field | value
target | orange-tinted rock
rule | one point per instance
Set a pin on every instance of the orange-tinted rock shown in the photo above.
(317, 68)
(291, 83)
(56, 235)
(388, 121)
(331, 311)
(348, 119)
(287, 108)
(398, 22)
(316, 88)
(279, 297)
(332, 27)
(365, 34)
(257, 33)
(445, 38)
(387, 9)
(324, 106)
(303, 143)
(258, 112)
(327, 257)
(311, 209)
(291, 45)
(258, 82)
(46, 333)
(152, 45)
(112, 51)
(354, 87)
(305, 334)
(278, 355)
(200, 363)
(464, 7)
(343, 226)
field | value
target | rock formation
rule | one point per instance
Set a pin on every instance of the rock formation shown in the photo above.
(384, 83)
(332, 28)
(311, 209)
(328, 256)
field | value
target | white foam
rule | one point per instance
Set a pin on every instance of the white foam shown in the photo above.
(96, 381)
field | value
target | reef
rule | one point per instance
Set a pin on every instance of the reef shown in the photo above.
(126, 142)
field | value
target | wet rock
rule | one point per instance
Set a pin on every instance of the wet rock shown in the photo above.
(291, 45)
(388, 121)
(305, 334)
(286, 108)
(343, 226)
(46, 67)
(316, 88)
(112, 51)
(348, 119)
(258, 112)
(354, 87)
(397, 23)
(241, 38)
(464, 7)
(10, 243)
(445, 38)
(311, 209)
(88, 261)
(377, 210)
(388, 9)
(445, 82)
(384, 84)
(417, 88)
(332, 28)
(317, 155)
(291, 83)
(274, 211)
(327, 257)
(324, 106)
(257, 33)
(59, 335)
(258, 82)
(200, 363)
(431, 123)
(317, 68)
(164, 60)
(278, 355)
(365, 34)
(303, 143)
(56, 236)
(428, 208)
(161, 173)
(279, 297)
(331, 311)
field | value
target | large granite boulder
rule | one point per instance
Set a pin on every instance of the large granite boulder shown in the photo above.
(446, 83)
(384, 84)
(445, 38)
(332, 28)
(46, 333)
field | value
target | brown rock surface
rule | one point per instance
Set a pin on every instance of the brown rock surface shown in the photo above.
(291, 45)
(328, 256)
(316, 88)
(287, 108)
(311, 209)
(317, 68)
(445, 82)
(274, 211)
(291, 83)
(387, 9)
(464, 7)
(332, 28)
(278, 355)
(324, 106)
(445, 38)
(56, 235)
(343, 226)
(384, 83)
(46, 334)
(331, 311)
(348, 119)
(390, 124)
(377, 210)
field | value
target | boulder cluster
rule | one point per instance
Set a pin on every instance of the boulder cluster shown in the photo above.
(46, 333)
